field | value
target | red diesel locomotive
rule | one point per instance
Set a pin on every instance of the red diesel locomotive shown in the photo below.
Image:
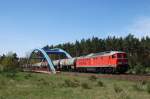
(108, 62)
(104, 62)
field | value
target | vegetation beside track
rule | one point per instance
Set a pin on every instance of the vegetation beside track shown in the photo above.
(22, 85)
(138, 50)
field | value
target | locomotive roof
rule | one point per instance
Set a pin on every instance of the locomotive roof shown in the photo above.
(104, 53)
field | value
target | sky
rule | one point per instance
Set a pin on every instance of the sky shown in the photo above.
(29, 24)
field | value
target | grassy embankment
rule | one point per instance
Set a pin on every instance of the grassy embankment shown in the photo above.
(23, 85)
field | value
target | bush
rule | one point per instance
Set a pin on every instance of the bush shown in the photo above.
(10, 73)
(1, 68)
(148, 88)
(27, 76)
(42, 82)
(143, 82)
(93, 78)
(100, 83)
(139, 69)
(9, 62)
(71, 83)
(117, 89)
(138, 87)
(3, 83)
(85, 86)
(2, 97)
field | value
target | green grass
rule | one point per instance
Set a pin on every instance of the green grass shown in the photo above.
(23, 85)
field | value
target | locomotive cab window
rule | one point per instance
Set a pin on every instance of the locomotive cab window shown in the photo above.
(113, 56)
(124, 56)
(119, 55)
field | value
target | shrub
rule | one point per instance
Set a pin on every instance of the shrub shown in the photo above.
(143, 82)
(93, 78)
(42, 81)
(2, 97)
(27, 76)
(124, 95)
(100, 83)
(1, 68)
(147, 70)
(85, 86)
(71, 83)
(9, 73)
(9, 62)
(138, 87)
(3, 83)
(148, 88)
(139, 69)
(117, 89)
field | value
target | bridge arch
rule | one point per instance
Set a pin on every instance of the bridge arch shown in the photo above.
(46, 53)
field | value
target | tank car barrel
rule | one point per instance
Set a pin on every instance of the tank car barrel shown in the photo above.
(64, 62)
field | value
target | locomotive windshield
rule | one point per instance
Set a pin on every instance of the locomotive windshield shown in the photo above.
(114, 56)
(119, 55)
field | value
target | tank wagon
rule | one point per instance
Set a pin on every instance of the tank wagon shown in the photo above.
(105, 62)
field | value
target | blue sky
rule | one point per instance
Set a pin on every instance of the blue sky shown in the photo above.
(27, 24)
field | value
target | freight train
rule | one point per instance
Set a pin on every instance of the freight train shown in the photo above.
(104, 62)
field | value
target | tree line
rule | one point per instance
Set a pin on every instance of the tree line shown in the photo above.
(9, 61)
(138, 49)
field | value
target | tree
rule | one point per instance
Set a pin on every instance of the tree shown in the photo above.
(9, 61)
(138, 50)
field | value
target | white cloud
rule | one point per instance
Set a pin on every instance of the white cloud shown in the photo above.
(140, 27)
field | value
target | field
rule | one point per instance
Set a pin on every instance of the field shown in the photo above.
(23, 85)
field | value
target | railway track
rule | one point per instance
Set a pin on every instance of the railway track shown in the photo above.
(130, 77)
